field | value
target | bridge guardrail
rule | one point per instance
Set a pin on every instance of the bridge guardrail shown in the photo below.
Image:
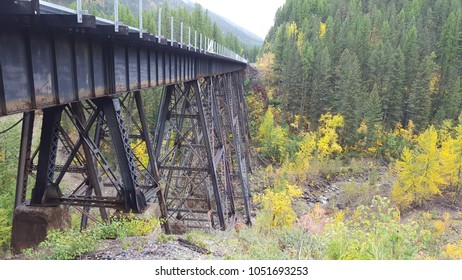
(194, 40)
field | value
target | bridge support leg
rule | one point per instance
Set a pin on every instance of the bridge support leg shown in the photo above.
(223, 165)
(152, 162)
(243, 116)
(94, 178)
(188, 155)
(24, 164)
(134, 199)
(231, 118)
(44, 190)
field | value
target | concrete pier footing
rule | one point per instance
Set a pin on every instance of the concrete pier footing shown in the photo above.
(31, 225)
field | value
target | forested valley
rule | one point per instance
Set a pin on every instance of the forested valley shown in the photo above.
(355, 114)
(362, 99)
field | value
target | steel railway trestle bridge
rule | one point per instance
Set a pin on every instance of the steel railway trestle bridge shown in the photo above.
(82, 76)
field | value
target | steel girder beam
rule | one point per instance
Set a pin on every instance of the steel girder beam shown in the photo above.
(189, 155)
(49, 60)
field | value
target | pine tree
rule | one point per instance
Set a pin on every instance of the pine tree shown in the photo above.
(349, 94)
(291, 76)
(411, 56)
(320, 85)
(393, 102)
(449, 100)
(419, 102)
(126, 16)
(373, 109)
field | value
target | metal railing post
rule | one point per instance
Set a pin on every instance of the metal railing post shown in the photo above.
(79, 11)
(181, 34)
(206, 45)
(189, 38)
(116, 15)
(140, 6)
(195, 39)
(171, 29)
(159, 24)
(200, 42)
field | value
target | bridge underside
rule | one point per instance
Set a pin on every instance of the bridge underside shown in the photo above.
(195, 164)
(83, 81)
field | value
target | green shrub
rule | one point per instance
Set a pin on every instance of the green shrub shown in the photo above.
(5, 230)
(375, 233)
(70, 243)
(67, 245)
(164, 238)
(196, 237)
(273, 139)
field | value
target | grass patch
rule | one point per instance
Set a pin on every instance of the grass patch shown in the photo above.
(71, 243)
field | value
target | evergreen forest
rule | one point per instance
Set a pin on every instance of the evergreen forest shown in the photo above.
(381, 62)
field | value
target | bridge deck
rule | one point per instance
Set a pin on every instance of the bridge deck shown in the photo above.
(49, 59)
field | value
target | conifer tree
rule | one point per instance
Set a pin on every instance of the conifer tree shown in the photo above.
(419, 172)
(349, 96)
(321, 85)
(419, 102)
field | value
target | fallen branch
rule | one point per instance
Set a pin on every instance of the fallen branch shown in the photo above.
(193, 246)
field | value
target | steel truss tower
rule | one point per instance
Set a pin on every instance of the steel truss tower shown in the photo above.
(197, 161)
(200, 152)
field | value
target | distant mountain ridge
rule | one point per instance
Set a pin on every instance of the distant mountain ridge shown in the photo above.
(226, 25)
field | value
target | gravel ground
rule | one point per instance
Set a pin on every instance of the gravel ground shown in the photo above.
(142, 248)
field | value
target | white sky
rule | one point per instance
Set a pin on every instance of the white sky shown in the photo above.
(257, 16)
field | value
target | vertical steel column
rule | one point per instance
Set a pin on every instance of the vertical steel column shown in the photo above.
(90, 163)
(240, 157)
(47, 156)
(188, 155)
(134, 199)
(212, 167)
(162, 119)
(24, 164)
(97, 141)
(152, 161)
(243, 115)
(220, 134)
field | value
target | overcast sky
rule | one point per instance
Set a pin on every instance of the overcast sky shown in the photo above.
(257, 16)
